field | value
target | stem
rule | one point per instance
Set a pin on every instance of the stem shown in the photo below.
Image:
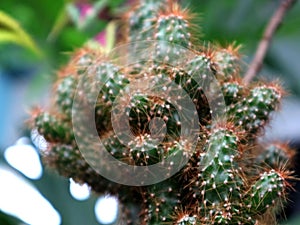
(265, 42)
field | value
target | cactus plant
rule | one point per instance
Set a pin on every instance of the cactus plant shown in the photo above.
(224, 177)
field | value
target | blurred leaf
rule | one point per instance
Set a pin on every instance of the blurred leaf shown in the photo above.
(73, 12)
(92, 18)
(97, 7)
(11, 31)
(73, 39)
(115, 3)
(110, 36)
(6, 219)
(61, 21)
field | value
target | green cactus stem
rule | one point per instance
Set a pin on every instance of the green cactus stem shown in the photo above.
(267, 191)
(53, 128)
(233, 92)
(253, 111)
(228, 62)
(65, 94)
(141, 23)
(220, 178)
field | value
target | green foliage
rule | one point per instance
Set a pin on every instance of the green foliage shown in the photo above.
(11, 31)
(89, 22)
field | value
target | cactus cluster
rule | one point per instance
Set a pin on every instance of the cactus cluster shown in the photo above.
(227, 177)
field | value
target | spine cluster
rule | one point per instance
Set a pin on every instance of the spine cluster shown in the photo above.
(229, 177)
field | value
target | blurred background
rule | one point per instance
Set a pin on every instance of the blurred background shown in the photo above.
(36, 39)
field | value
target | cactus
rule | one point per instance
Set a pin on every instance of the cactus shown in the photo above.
(223, 177)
